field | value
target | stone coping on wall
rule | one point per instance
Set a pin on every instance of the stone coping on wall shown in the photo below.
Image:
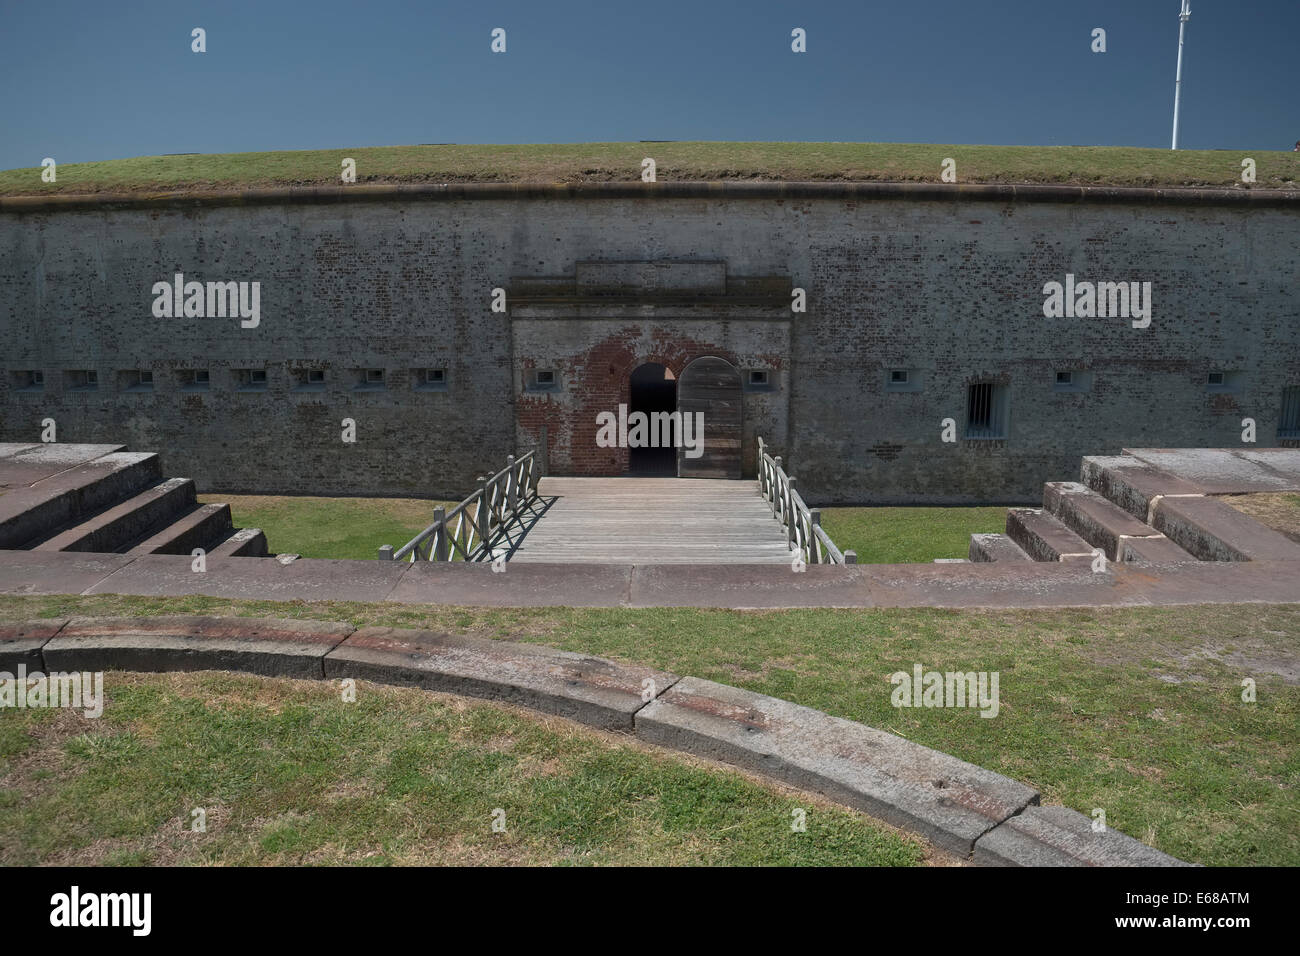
(961, 808)
(836, 191)
(737, 586)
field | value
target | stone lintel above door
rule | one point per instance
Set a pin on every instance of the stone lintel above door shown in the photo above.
(680, 289)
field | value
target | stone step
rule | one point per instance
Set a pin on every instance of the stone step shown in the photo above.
(1131, 483)
(31, 514)
(986, 548)
(1213, 530)
(123, 523)
(1044, 538)
(24, 464)
(205, 525)
(1154, 551)
(244, 543)
(1096, 520)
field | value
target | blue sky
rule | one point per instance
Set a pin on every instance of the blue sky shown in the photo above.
(103, 80)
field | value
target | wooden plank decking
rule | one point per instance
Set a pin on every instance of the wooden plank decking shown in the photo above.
(653, 521)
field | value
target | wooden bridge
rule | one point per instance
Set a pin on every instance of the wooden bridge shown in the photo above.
(518, 515)
(653, 521)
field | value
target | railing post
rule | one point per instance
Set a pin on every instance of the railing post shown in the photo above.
(776, 483)
(439, 552)
(850, 557)
(791, 536)
(814, 542)
(760, 464)
(385, 552)
(483, 516)
(512, 492)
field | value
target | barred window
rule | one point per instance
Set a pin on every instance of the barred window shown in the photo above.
(986, 410)
(1288, 425)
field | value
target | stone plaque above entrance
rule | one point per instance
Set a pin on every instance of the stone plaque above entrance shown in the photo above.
(604, 278)
(695, 288)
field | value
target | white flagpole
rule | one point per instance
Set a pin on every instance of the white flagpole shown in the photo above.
(1183, 14)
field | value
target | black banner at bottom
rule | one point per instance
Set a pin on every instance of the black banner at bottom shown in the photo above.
(581, 907)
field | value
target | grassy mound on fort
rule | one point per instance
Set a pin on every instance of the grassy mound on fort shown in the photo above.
(675, 162)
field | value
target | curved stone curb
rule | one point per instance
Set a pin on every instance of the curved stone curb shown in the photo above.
(589, 690)
(948, 801)
(274, 648)
(956, 805)
(22, 643)
(1059, 836)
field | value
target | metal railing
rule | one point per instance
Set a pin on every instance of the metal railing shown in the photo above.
(472, 530)
(803, 525)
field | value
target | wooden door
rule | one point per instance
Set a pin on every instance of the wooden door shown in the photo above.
(711, 387)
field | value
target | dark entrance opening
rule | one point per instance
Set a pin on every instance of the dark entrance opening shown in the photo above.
(653, 389)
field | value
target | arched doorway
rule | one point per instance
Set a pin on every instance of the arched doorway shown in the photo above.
(653, 390)
(710, 391)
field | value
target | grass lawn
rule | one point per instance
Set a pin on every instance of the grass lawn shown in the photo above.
(356, 527)
(331, 527)
(1137, 710)
(908, 535)
(1279, 511)
(288, 773)
(607, 162)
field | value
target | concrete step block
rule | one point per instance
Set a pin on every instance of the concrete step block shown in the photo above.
(125, 522)
(277, 648)
(1130, 483)
(28, 515)
(26, 463)
(1058, 836)
(1242, 469)
(586, 689)
(1100, 522)
(1154, 552)
(985, 548)
(1044, 538)
(1213, 530)
(200, 528)
(244, 543)
(947, 800)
